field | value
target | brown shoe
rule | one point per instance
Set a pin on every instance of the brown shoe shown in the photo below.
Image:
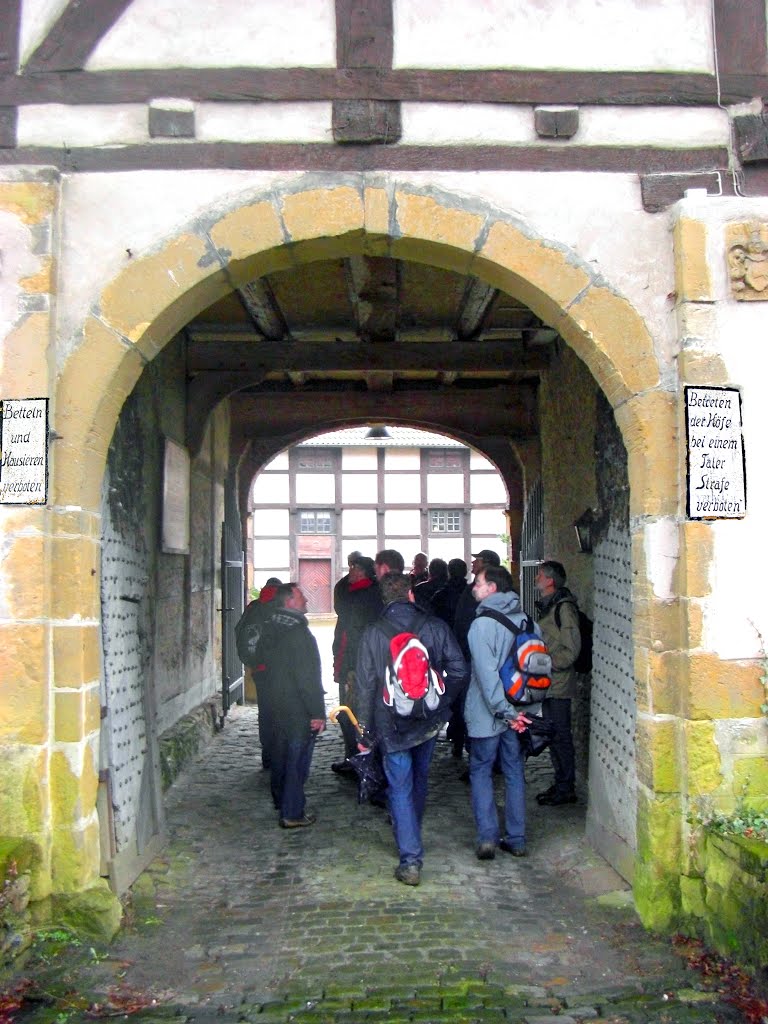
(308, 819)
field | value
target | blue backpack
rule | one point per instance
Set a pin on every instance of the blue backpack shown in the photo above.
(526, 673)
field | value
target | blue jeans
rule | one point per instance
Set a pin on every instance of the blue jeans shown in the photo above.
(482, 755)
(407, 773)
(291, 757)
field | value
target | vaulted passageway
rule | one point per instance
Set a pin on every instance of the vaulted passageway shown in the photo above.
(573, 357)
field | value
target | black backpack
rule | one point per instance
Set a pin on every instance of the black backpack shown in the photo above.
(583, 663)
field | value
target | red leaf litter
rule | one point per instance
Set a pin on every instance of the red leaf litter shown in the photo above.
(736, 985)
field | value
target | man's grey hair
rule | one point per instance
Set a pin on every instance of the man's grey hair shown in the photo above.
(554, 571)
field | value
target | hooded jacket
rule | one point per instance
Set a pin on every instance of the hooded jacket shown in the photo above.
(291, 682)
(490, 642)
(390, 730)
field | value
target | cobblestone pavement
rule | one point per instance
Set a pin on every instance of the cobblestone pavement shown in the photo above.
(241, 920)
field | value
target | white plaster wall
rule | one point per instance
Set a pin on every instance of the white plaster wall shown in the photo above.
(439, 124)
(220, 33)
(736, 608)
(435, 124)
(55, 124)
(263, 122)
(642, 35)
(37, 16)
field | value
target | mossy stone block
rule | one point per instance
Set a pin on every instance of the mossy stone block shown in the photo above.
(96, 912)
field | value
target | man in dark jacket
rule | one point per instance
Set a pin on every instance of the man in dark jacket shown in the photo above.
(445, 601)
(360, 605)
(293, 692)
(558, 616)
(407, 744)
(247, 633)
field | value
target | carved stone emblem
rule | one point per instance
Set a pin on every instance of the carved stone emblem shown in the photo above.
(748, 261)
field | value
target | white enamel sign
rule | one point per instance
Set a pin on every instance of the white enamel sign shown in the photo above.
(716, 477)
(24, 451)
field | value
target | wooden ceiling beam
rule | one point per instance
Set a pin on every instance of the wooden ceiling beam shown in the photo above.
(373, 283)
(263, 309)
(508, 411)
(257, 357)
(473, 309)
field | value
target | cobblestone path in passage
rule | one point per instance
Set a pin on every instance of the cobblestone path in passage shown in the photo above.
(239, 920)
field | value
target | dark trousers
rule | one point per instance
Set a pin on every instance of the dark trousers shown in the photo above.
(291, 758)
(558, 711)
(265, 725)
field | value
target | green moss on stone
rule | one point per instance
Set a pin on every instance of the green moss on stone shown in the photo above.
(750, 781)
(692, 896)
(96, 912)
(704, 763)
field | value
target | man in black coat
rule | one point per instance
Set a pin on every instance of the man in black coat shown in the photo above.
(293, 692)
(407, 743)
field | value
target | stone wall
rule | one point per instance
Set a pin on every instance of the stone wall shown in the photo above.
(725, 896)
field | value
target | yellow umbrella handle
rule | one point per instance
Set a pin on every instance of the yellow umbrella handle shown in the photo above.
(334, 712)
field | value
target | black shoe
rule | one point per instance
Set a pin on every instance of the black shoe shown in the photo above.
(486, 851)
(545, 795)
(464, 777)
(516, 849)
(342, 767)
(308, 819)
(408, 874)
(558, 799)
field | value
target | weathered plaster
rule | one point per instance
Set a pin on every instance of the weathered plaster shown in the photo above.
(57, 124)
(221, 33)
(263, 122)
(554, 33)
(433, 124)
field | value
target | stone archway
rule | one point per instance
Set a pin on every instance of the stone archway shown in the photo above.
(147, 303)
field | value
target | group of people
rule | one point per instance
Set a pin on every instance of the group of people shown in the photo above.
(466, 647)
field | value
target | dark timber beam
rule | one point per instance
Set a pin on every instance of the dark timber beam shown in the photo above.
(740, 37)
(364, 33)
(475, 303)
(10, 26)
(373, 284)
(608, 88)
(322, 157)
(246, 360)
(261, 306)
(74, 37)
(508, 411)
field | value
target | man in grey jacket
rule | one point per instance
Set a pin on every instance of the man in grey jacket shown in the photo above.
(493, 723)
(559, 623)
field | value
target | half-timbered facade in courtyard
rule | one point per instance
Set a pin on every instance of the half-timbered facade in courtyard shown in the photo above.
(538, 228)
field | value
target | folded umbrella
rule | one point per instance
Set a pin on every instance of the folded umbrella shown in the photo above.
(537, 737)
(367, 766)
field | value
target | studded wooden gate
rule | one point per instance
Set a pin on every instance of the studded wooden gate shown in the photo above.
(612, 768)
(129, 798)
